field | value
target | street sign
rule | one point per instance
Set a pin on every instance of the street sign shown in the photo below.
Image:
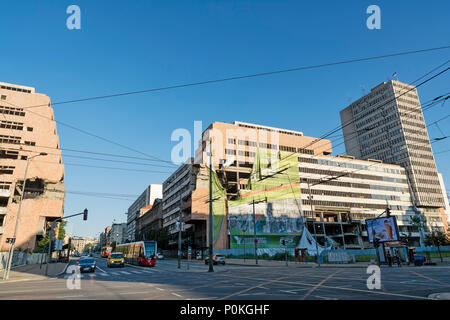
(10, 240)
(58, 245)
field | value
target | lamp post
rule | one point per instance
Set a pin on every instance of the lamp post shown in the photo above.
(11, 250)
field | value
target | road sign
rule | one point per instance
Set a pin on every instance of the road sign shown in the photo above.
(58, 245)
(10, 240)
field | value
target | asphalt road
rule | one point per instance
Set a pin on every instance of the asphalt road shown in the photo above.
(167, 282)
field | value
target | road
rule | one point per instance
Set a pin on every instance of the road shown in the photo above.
(167, 282)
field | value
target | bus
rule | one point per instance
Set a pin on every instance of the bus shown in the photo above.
(105, 251)
(141, 253)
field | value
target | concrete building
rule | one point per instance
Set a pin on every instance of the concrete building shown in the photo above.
(151, 219)
(152, 192)
(274, 167)
(118, 233)
(80, 243)
(108, 235)
(177, 188)
(25, 133)
(388, 124)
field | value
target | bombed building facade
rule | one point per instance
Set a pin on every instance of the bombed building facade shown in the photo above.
(282, 183)
(28, 135)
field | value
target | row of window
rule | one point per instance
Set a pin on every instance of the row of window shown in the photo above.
(352, 195)
(12, 111)
(351, 205)
(270, 130)
(7, 169)
(350, 175)
(11, 125)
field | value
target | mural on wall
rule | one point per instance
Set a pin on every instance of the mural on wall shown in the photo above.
(274, 186)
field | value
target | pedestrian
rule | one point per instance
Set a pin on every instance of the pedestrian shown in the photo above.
(397, 255)
(389, 258)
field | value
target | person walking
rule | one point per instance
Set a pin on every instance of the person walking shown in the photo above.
(389, 257)
(397, 256)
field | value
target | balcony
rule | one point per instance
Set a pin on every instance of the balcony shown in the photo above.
(3, 210)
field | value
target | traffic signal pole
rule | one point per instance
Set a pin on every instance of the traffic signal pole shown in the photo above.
(179, 235)
(254, 233)
(211, 234)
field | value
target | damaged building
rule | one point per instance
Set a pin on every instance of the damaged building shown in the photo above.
(280, 182)
(25, 136)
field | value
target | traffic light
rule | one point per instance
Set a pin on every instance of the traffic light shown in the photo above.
(85, 213)
(283, 242)
(388, 212)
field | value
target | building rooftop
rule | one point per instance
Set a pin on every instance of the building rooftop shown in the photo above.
(16, 87)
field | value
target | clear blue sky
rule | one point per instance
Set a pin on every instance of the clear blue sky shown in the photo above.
(136, 45)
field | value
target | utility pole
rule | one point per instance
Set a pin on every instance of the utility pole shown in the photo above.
(243, 231)
(254, 233)
(179, 235)
(314, 223)
(211, 234)
(51, 235)
(11, 249)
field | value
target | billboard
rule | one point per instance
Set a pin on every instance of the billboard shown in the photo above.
(383, 229)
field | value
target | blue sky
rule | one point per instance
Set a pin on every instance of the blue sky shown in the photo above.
(136, 45)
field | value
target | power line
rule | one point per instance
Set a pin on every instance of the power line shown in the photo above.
(92, 134)
(92, 158)
(254, 75)
(385, 103)
(102, 167)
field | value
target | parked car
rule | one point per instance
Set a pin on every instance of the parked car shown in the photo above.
(87, 264)
(116, 259)
(159, 256)
(217, 258)
(419, 260)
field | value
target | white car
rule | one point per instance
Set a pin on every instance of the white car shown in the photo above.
(159, 256)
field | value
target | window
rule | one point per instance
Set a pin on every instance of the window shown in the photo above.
(29, 129)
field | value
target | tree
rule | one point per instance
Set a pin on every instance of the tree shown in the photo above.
(62, 230)
(437, 238)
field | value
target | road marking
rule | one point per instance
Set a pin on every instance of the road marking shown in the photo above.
(138, 292)
(159, 289)
(101, 269)
(124, 272)
(66, 297)
(176, 294)
(339, 288)
(428, 278)
(325, 298)
(251, 288)
(115, 274)
(318, 285)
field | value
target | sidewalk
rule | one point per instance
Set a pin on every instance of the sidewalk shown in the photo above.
(276, 263)
(33, 272)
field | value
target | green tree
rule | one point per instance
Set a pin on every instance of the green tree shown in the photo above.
(437, 238)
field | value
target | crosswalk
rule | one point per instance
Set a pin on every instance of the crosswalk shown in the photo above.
(118, 273)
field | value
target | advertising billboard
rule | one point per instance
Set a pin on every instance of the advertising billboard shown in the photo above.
(383, 229)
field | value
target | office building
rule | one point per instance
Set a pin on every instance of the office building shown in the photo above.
(24, 134)
(388, 124)
(152, 192)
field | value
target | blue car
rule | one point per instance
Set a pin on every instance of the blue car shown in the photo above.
(419, 260)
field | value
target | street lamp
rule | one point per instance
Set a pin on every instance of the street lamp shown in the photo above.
(11, 250)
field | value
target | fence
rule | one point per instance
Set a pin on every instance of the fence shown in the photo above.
(330, 256)
(21, 258)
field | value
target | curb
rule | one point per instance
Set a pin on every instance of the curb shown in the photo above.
(61, 273)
